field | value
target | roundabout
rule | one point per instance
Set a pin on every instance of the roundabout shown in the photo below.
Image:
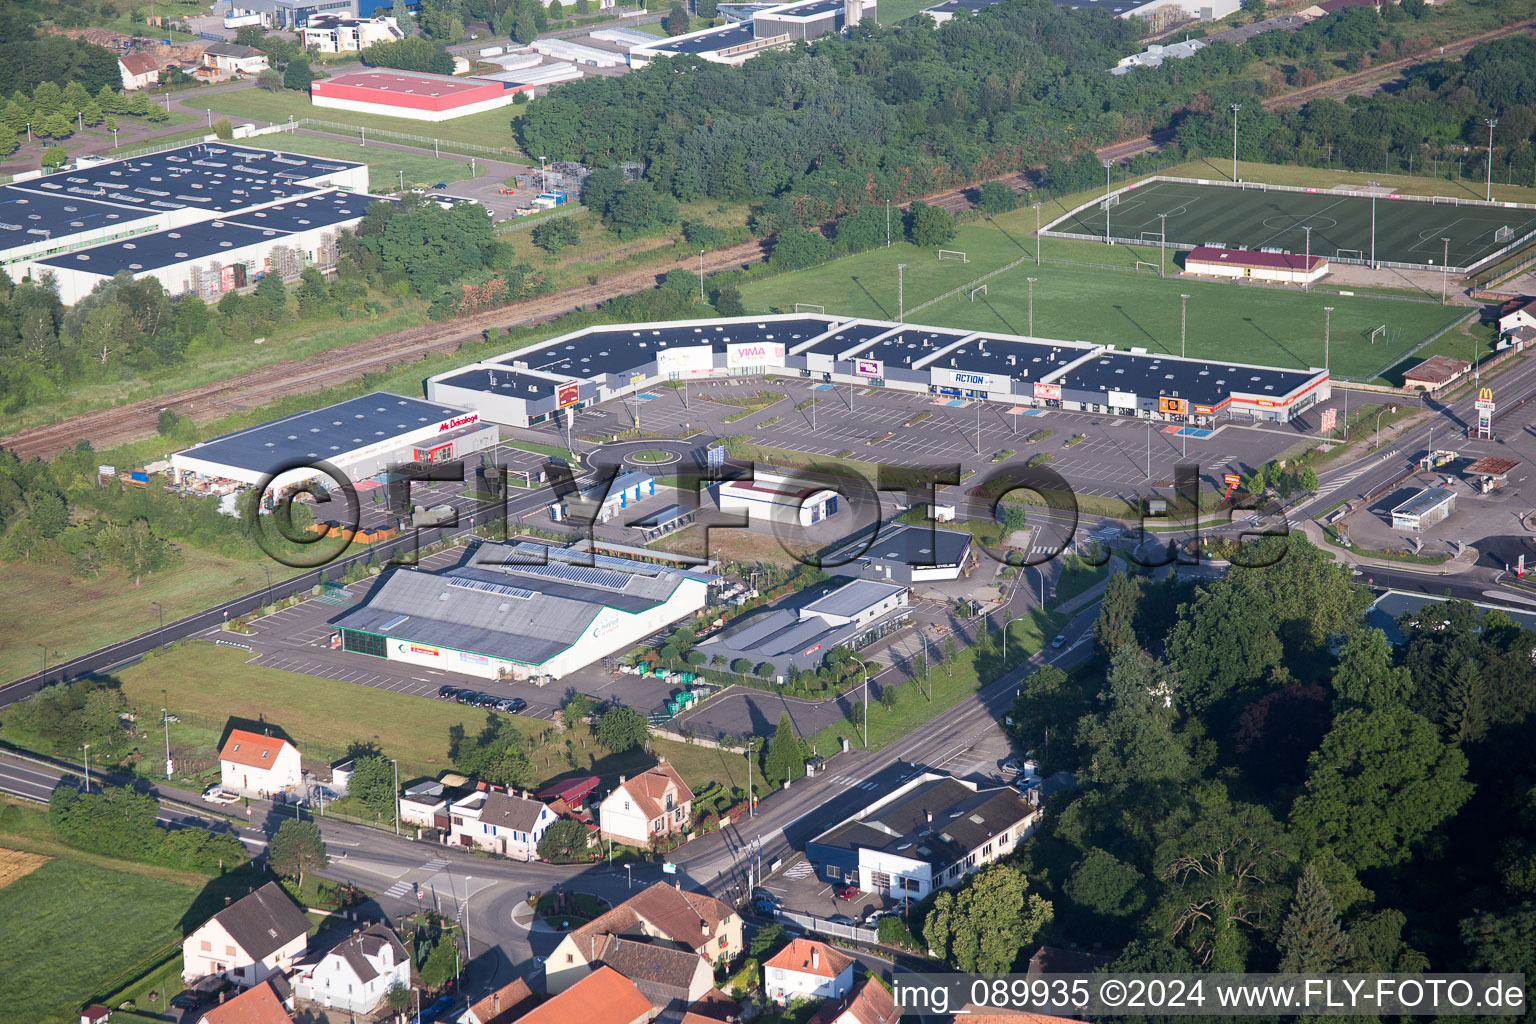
(653, 457)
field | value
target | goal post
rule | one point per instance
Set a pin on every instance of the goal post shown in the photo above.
(1381, 330)
(1504, 234)
(953, 254)
(809, 307)
(1112, 200)
(980, 289)
(1350, 254)
(1149, 266)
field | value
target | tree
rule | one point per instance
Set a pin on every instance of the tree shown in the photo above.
(55, 157)
(373, 785)
(1223, 642)
(564, 842)
(728, 301)
(525, 29)
(784, 758)
(223, 129)
(554, 235)
(766, 938)
(1105, 885)
(1311, 941)
(577, 707)
(982, 928)
(441, 964)
(929, 225)
(298, 75)
(398, 997)
(296, 848)
(1133, 740)
(996, 198)
(796, 248)
(1012, 516)
(402, 16)
(556, 10)
(1116, 625)
(621, 729)
(1380, 783)
(676, 22)
(1366, 677)
(271, 80)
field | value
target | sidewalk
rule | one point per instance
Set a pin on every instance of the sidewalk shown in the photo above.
(1461, 563)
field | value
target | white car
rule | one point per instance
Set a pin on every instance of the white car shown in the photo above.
(215, 795)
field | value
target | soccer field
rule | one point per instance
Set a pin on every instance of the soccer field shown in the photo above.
(1406, 231)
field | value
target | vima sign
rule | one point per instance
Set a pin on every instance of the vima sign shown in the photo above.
(754, 354)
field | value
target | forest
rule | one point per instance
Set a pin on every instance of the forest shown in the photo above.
(890, 112)
(1268, 783)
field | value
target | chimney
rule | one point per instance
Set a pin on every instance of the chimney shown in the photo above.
(621, 780)
(496, 1003)
(356, 935)
(226, 901)
(928, 814)
(704, 927)
(815, 959)
(678, 886)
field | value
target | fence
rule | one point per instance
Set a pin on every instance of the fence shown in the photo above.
(810, 922)
(1251, 186)
(362, 133)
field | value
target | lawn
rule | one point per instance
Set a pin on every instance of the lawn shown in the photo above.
(1107, 302)
(78, 928)
(41, 605)
(490, 128)
(889, 12)
(1402, 231)
(385, 166)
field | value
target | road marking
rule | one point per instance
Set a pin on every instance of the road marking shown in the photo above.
(399, 890)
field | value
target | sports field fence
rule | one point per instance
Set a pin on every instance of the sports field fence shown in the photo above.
(1113, 199)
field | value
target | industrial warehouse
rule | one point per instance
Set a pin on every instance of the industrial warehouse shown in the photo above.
(596, 364)
(762, 27)
(519, 611)
(416, 95)
(58, 213)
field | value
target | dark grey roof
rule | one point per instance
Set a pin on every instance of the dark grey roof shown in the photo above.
(910, 345)
(663, 973)
(35, 217)
(854, 597)
(322, 433)
(719, 39)
(950, 6)
(961, 820)
(357, 950)
(319, 210)
(507, 811)
(915, 545)
(849, 337)
(623, 350)
(231, 50)
(504, 608)
(852, 835)
(1008, 357)
(264, 921)
(1203, 382)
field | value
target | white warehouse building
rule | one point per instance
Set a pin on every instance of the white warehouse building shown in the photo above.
(520, 611)
(770, 498)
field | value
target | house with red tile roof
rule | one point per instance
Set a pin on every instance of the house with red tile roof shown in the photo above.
(647, 807)
(603, 997)
(258, 1005)
(662, 915)
(502, 1006)
(807, 969)
(869, 1003)
(138, 71)
(260, 766)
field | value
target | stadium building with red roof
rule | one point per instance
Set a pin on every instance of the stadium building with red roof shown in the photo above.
(422, 97)
(1285, 267)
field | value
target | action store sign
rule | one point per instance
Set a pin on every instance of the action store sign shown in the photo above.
(947, 378)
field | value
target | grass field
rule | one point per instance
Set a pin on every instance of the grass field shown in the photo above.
(490, 128)
(1405, 231)
(74, 927)
(1086, 291)
(385, 166)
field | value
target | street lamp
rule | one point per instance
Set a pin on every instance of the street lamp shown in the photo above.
(1445, 261)
(1183, 322)
(161, 609)
(1373, 223)
(865, 669)
(1306, 260)
(1235, 108)
(900, 307)
(1492, 123)
(87, 748)
(1031, 281)
(397, 815)
(629, 871)
(1162, 245)
(751, 797)
(701, 275)
(166, 721)
(1378, 428)
(1327, 323)
(1037, 232)
(1107, 165)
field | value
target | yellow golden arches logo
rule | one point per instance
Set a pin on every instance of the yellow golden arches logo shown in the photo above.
(1485, 395)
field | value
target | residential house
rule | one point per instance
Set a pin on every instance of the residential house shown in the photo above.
(603, 997)
(139, 71)
(671, 978)
(972, 1013)
(355, 974)
(267, 1003)
(647, 807)
(807, 969)
(869, 1003)
(259, 766)
(660, 913)
(425, 804)
(501, 823)
(248, 941)
(234, 59)
(502, 1006)
(338, 33)
(715, 1006)
(1519, 312)
(930, 833)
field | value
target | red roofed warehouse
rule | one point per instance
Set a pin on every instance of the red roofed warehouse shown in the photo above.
(409, 94)
(256, 765)
(1260, 266)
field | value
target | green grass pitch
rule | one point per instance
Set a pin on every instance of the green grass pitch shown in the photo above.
(1406, 231)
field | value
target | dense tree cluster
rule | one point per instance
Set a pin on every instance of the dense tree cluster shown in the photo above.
(1268, 783)
(413, 53)
(29, 57)
(498, 754)
(118, 822)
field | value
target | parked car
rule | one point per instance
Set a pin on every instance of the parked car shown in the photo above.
(763, 894)
(1013, 765)
(767, 908)
(447, 692)
(216, 795)
(871, 918)
(430, 1013)
(1058, 639)
(185, 1001)
(486, 700)
(840, 919)
(849, 892)
(441, 185)
(515, 706)
(1024, 784)
(467, 697)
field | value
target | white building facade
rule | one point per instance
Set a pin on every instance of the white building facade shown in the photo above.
(355, 975)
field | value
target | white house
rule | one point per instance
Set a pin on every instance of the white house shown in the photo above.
(501, 823)
(337, 33)
(807, 969)
(870, 1003)
(234, 59)
(138, 71)
(259, 766)
(1515, 313)
(354, 975)
(647, 807)
(248, 941)
(771, 498)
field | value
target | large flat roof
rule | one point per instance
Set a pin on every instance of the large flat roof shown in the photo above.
(1011, 357)
(407, 83)
(910, 345)
(619, 350)
(509, 383)
(213, 177)
(317, 211)
(1207, 383)
(710, 41)
(35, 216)
(847, 337)
(321, 433)
(914, 545)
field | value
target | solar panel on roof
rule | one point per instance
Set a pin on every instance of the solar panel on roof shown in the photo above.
(490, 588)
(392, 623)
(580, 574)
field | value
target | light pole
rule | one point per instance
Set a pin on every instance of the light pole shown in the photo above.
(402, 181)
(1235, 108)
(1149, 449)
(1107, 165)
(1031, 281)
(887, 223)
(1378, 428)
(1306, 260)
(1037, 233)
(397, 817)
(900, 307)
(87, 748)
(1162, 245)
(701, 275)
(209, 110)
(166, 721)
(865, 669)
(1445, 272)
(751, 797)
(1492, 123)
(1327, 323)
(114, 138)
(1183, 322)
(1373, 224)
(629, 871)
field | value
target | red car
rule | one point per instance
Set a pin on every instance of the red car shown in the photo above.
(849, 892)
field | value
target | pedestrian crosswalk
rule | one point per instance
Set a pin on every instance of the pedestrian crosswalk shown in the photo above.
(1344, 479)
(434, 865)
(399, 890)
(848, 780)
